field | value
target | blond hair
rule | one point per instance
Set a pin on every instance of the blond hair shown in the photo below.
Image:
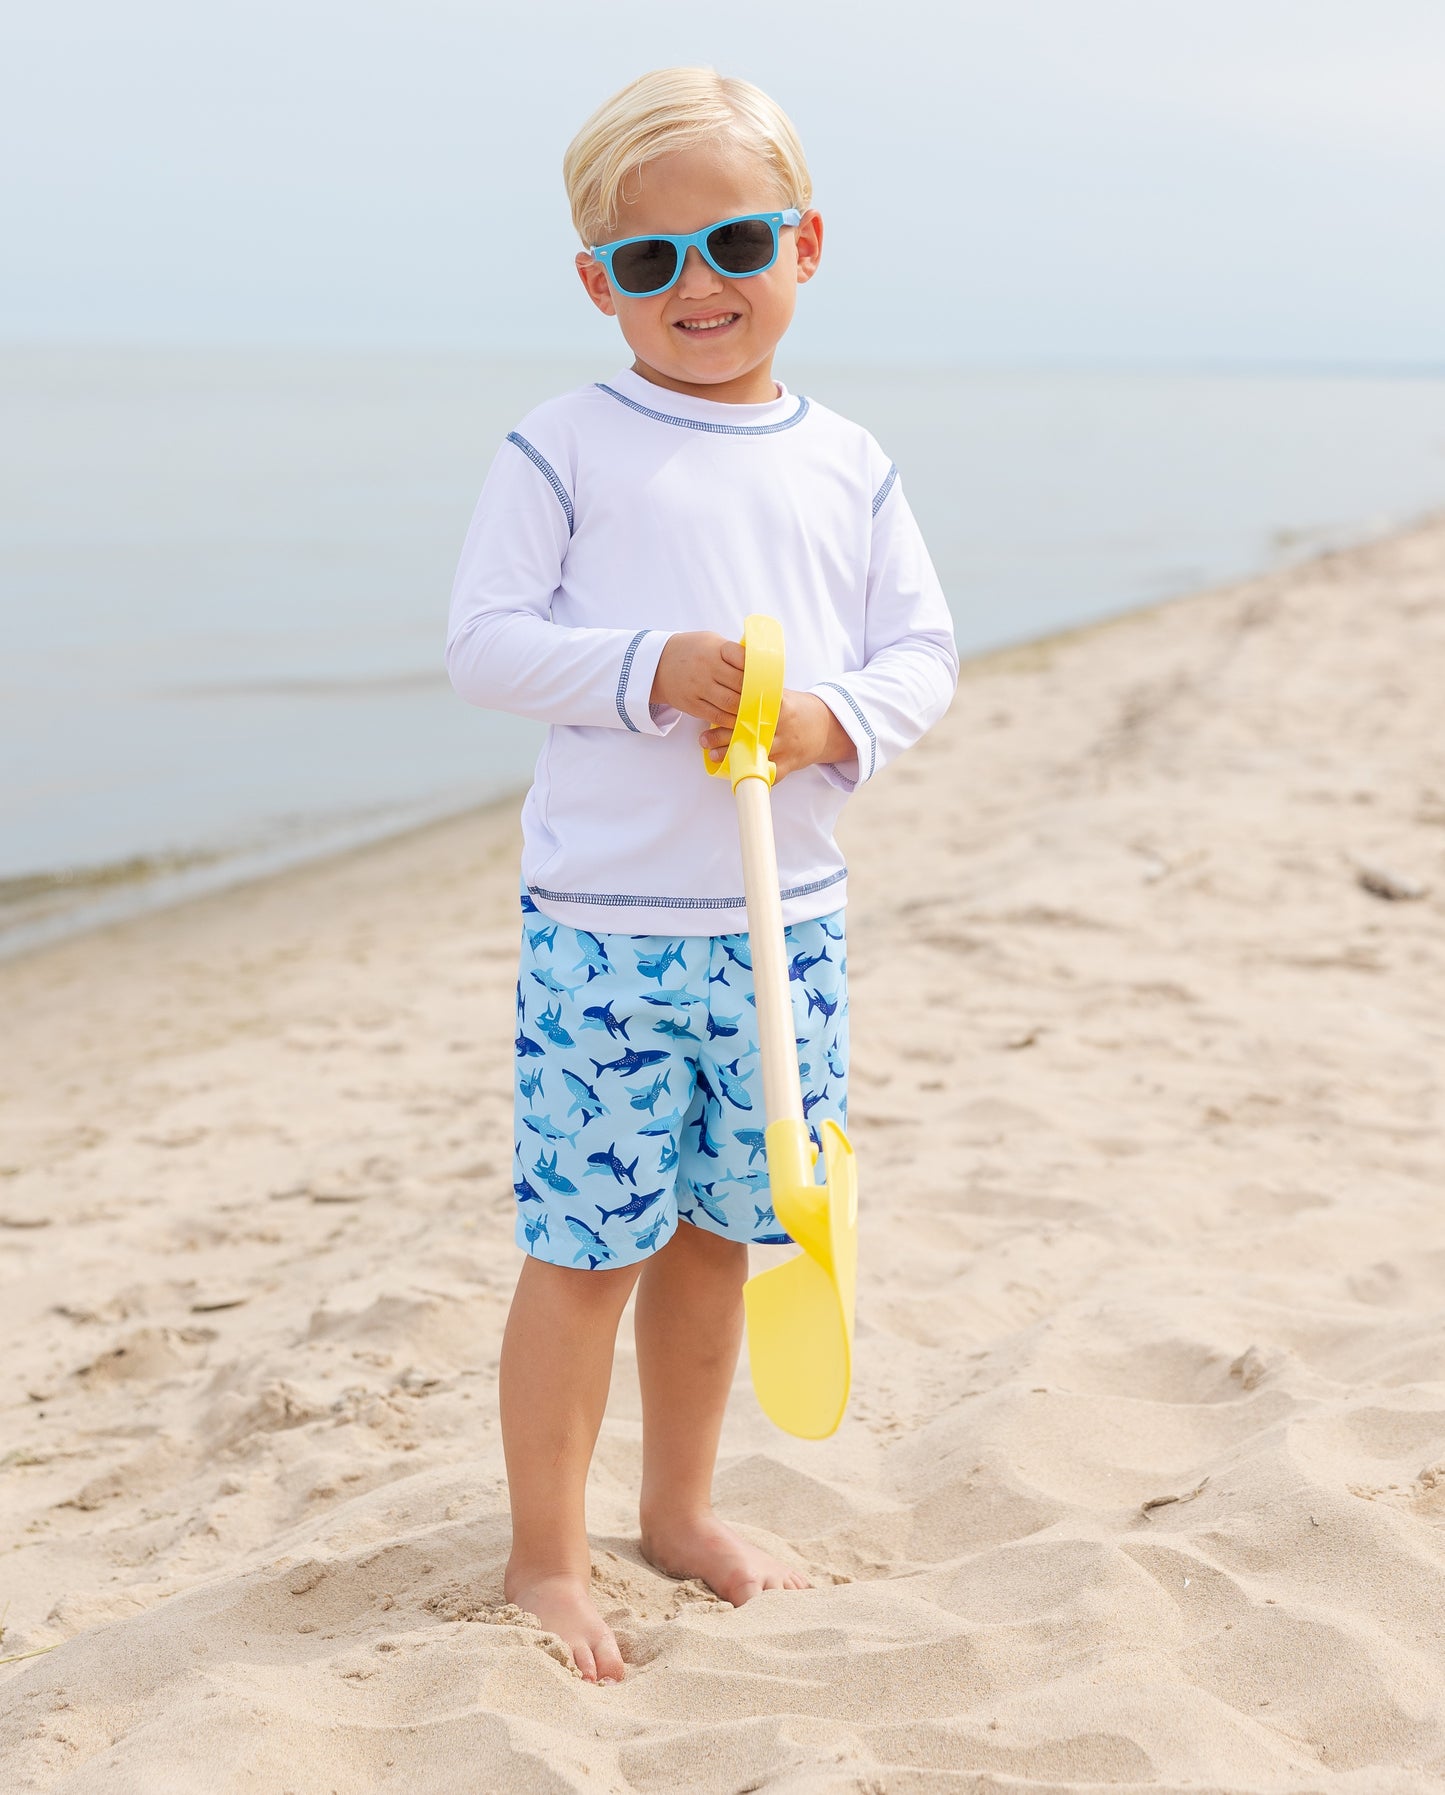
(675, 109)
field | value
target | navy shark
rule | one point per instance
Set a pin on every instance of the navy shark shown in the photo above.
(550, 1023)
(654, 966)
(704, 1144)
(802, 964)
(812, 1099)
(595, 1249)
(552, 1178)
(631, 1061)
(540, 938)
(741, 956)
(528, 907)
(603, 1165)
(599, 1015)
(584, 1098)
(521, 1005)
(646, 1096)
(734, 1089)
(525, 1193)
(817, 1000)
(528, 1049)
(702, 1195)
(722, 1025)
(633, 1209)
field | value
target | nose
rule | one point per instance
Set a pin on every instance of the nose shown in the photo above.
(697, 279)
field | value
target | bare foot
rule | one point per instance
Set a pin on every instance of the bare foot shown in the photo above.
(703, 1546)
(563, 1603)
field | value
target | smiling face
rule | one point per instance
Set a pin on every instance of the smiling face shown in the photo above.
(709, 335)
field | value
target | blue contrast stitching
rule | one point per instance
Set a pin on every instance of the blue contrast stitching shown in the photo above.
(852, 704)
(625, 900)
(622, 681)
(664, 417)
(548, 472)
(887, 487)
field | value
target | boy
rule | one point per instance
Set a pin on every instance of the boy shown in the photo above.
(624, 532)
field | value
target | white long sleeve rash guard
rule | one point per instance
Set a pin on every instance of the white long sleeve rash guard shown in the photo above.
(621, 512)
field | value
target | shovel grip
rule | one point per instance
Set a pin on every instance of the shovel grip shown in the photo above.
(759, 703)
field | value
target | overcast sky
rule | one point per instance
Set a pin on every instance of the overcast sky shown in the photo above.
(1256, 181)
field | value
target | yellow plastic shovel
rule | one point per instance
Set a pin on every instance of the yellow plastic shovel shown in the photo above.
(800, 1313)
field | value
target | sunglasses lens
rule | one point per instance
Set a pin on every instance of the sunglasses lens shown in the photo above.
(744, 247)
(644, 266)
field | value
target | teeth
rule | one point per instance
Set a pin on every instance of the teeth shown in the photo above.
(707, 324)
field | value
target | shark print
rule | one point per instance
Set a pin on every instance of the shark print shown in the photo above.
(599, 1015)
(550, 1023)
(701, 1159)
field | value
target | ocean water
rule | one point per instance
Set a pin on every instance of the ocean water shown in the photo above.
(224, 577)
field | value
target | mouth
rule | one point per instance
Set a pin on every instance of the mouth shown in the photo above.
(716, 324)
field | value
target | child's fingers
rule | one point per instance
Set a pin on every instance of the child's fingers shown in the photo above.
(732, 653)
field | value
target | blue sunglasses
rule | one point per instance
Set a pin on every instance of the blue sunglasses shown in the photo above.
(737, 247)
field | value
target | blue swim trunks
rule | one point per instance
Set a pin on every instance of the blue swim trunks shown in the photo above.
(639, 1094)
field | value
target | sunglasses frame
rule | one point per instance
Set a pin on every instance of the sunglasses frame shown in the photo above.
(604, 252)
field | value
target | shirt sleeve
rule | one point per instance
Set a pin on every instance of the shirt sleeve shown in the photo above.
(503, 649)
(910, 660)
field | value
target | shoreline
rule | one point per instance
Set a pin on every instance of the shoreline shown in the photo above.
(156, 884)
(1141, 1483)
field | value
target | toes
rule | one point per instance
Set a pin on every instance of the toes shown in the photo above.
(744, 1590)
(610, 1668)
(585, 1662)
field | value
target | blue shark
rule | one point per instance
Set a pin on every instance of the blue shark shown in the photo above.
(525, 1193)
(733, 1087)
(763, 1214)
(816, 999)
(631, 1061)
(678, 999)
(678, 1031)
(551, 1177)
(832, 934)
(646, 1096)
(528, 1049)
(668, 1158)
(837, 1065)
(647, 1239)
(550, 1023)
(720, 977)
(604, 1165)
(802, 964)
(654, 966)
(536, 1229)
(702, 1195)
(704, 1144)
(549, 1131)
(633, 1209)
(540, 938)
(722, 1025)
(709, 1095)
(531, 1086)
(550, 982)
(753, 1139)
(521, 1004)
(811, 1099)
(584, 1098)
(805, 1069)
(599, 1015)
(594, 1249)
(753, 1181)
(594, 956)
(664, 1124)
(742, 955)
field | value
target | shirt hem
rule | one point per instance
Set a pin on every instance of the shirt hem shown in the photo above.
(628, 913)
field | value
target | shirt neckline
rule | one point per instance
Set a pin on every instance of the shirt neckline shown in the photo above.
(708, 414)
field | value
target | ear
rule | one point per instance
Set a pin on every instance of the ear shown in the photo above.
(809, 240)
(594, 278)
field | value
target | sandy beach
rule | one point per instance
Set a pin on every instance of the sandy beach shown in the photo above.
(1143, 1482)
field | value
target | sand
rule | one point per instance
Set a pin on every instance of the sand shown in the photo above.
(1143, 1482)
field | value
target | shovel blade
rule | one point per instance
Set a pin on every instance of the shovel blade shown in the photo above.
(800, 1313)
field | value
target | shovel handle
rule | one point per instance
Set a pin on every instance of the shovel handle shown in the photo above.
(782, 1088)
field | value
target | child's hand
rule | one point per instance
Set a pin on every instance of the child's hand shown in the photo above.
(808, 735)
(701, 674)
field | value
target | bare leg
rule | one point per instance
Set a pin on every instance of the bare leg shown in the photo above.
(689, 1321)
(555, 1371)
